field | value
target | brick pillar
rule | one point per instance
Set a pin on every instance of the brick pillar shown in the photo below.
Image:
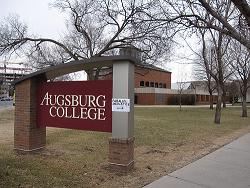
(121, 154)
(27, 136)
(121, 145)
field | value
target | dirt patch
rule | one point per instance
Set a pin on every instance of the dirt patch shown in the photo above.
(6, 132)
(6, 125)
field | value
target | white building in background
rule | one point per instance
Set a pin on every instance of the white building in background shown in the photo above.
(10, 71)
(248, 97)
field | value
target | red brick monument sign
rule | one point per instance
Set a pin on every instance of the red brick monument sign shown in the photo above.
(84, 105)
(106, 106)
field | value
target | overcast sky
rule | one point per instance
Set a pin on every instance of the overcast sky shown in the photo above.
(49, 22)
(37, 14)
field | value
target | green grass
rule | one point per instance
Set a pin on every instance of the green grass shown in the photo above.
(163, 126)
(240, 104)
(79, 159)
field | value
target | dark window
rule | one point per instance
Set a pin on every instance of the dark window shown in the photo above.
(141, 83)
(160, 85)
(164, 86)
(136, 99)
(147, 84)
(152, 84)
(156, 84)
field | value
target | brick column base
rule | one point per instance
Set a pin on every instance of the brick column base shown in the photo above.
(121, 154)
(29, 139)
(27, 136)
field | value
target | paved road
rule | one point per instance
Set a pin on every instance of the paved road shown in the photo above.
(228, 167)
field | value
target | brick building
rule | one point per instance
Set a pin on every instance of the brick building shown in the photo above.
(153, 87)
(151, 84)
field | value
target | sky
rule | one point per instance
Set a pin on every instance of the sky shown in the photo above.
(46, 21)
(41, 18)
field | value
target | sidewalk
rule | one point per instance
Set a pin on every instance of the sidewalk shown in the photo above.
(228, 167)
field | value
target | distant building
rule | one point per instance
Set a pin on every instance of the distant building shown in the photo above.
(153, 84)
(153, 87)
(8, 73)
(191, 93)
(197, 89)
(234, 90)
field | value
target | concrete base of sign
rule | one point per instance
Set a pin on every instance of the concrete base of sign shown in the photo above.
(27, 136)
(121, 154)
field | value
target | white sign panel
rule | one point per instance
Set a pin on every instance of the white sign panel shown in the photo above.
(121, 105)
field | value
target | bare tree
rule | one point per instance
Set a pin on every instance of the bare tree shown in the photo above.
(234, 91)
(95, 28)
(203, 75)
(203, 65)
(181, 86)
(214, 64)
(239, 58)
(203, 14)
(206, 17)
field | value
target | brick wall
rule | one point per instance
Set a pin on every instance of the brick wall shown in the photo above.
(145, 98)
(121, 154)
(146, 75)
(151, 75)
(27, 136)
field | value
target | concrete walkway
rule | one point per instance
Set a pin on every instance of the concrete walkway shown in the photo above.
(228, 167)
(184, 106)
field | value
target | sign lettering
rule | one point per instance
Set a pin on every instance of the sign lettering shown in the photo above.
(77, 105)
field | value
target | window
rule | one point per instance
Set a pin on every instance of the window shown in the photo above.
(147, 84)
(136, 99)
(142, 83)
(156, 84)
(152, 84)
(164, 85)
(160, 85)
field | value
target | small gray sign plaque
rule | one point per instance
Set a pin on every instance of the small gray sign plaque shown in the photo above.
(120, 105)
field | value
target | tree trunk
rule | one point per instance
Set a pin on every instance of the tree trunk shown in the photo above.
(180, 102)
(90, 75)
(244, 106)
(233, 101)
(218, 108)
(97, 74)
(93, 74)
(224, 99)
(211, 102)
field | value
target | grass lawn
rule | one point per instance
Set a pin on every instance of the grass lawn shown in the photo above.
(166, 139)
(239, 104)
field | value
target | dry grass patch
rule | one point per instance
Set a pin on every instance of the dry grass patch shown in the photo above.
(6, 125)
(166, 139)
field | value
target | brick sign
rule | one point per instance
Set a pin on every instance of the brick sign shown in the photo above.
(84, 105)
